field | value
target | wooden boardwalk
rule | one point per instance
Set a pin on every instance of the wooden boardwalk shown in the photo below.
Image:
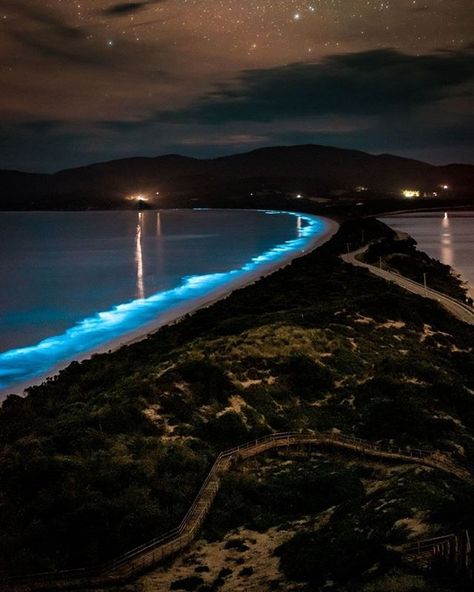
(146, 556)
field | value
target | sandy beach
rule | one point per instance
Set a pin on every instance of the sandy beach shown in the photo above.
(184, 309)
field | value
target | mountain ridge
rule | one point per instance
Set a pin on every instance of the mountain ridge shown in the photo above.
(309, 168)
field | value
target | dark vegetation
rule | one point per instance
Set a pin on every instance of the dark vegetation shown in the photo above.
(112, 452)
(188, 584)
(265, 493)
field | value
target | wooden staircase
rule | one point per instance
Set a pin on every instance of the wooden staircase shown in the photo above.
(450, 555)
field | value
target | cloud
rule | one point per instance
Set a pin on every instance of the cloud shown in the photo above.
(380, 101)
(36, 14)
(45, 33)
(52, 70)
(126, 8)
(376, 83)
(46, 46)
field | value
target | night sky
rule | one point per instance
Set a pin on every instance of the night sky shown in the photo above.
(91, 80)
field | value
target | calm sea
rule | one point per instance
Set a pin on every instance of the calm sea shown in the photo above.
(446, 236)
(75, 282)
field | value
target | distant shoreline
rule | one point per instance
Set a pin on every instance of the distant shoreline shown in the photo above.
(177, 314)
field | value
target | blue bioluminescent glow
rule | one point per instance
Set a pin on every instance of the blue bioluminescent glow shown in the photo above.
(20, 365)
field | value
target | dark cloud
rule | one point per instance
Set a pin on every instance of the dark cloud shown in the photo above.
(45, 45)
(126, 8)
(45, 33)
(48, 35)
(84, 81)
(19, 144)
(43, 16)
(372, 83)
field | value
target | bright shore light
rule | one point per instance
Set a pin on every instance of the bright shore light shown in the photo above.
(411, 193)
(138, 197)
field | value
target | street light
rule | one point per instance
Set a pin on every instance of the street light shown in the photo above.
(410, 193)
(138, 197)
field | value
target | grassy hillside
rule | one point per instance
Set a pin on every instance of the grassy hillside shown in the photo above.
(112, 452)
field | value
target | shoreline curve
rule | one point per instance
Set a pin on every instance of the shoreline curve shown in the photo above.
(185, 308)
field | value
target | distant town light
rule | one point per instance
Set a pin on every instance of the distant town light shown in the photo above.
(138, 197)
(445, 187)
(299, 196)
(410, 193)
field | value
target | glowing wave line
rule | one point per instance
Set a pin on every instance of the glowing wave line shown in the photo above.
(25, 363)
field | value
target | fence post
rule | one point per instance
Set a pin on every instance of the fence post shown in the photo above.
(468, 557)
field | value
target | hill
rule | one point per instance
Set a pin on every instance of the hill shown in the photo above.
(315, 170)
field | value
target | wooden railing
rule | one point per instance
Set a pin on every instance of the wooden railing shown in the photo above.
(152, 552)
(450, 555)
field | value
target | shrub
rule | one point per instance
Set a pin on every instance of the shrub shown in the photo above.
(189, 584)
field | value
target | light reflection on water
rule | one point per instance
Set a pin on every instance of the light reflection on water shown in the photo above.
(447, 251)
(446, 236)
(139, 257)
(18, 365)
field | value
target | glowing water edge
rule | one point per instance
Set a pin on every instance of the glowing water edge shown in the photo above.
(283, 235)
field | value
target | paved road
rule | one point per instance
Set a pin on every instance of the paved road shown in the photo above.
(458, 309)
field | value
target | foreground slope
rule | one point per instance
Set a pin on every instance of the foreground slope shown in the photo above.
(115, 449)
